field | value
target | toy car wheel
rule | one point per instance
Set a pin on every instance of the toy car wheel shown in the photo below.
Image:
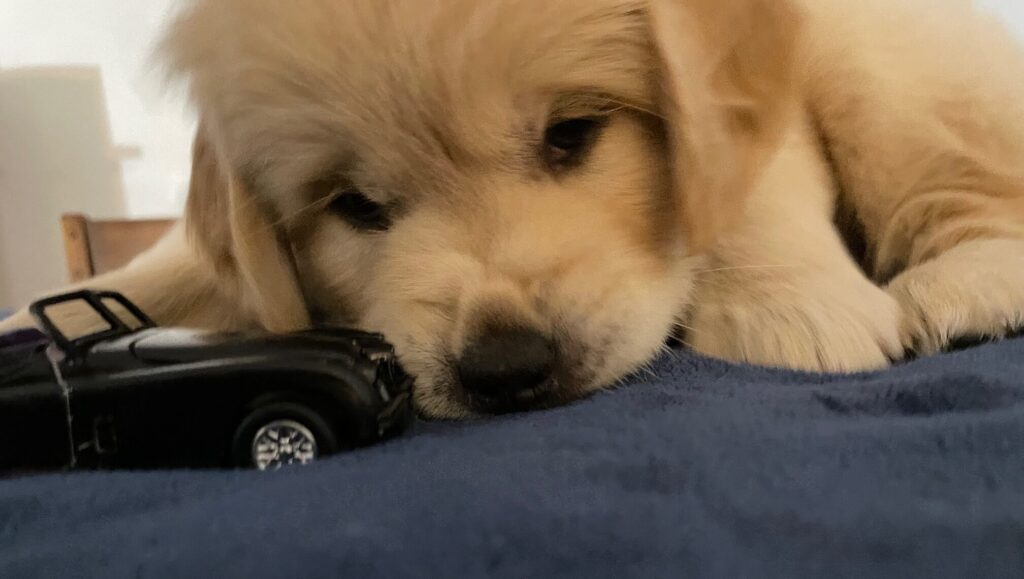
(281, 434)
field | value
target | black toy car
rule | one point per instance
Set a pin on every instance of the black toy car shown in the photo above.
(138, 396)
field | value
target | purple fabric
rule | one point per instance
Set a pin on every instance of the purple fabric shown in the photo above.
(18, 338)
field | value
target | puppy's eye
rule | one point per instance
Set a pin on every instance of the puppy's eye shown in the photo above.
(566, 142)
(360, 211)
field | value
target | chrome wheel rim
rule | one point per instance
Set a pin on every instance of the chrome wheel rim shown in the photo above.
(283, 443)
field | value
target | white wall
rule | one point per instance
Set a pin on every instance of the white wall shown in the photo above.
(1011, 10)
(86, 125)
(117, 36)
(89, 126)
(56, 155)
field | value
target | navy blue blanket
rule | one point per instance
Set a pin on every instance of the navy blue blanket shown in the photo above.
(706, 470)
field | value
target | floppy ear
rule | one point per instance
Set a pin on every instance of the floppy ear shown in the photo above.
(727, 81)
(234, 232)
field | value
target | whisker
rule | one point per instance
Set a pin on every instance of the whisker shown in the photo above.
(685, 343)
(318, 204)
(629, 106)
(683, 326)
(744, 267)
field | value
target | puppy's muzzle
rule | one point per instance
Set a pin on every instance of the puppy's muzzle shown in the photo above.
(504, 369)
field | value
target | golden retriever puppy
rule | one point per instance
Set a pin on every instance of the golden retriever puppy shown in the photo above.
(528, 197)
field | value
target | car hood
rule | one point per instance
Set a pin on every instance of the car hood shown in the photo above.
(180, 345)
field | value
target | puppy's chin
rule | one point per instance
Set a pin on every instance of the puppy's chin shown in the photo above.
(444, 398)
(439, 394)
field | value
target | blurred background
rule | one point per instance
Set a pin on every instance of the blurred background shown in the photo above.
(86, 125)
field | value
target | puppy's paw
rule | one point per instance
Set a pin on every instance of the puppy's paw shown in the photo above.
(814, 322)
(972, 293)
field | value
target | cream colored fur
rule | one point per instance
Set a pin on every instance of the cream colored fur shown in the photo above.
(736, 131)
(919, 107)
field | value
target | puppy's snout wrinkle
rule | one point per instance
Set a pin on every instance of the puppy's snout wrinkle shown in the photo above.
(503, 363)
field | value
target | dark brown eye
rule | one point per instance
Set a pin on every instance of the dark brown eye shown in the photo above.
(361, 212)
(567, 142)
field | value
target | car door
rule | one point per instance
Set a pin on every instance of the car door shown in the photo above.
(148, 418)
(33, 409)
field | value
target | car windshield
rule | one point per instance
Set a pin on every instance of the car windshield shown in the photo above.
(78, 320)
(88, 316)
(123, 314)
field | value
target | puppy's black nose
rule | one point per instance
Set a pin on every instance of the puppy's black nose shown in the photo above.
(504, 362)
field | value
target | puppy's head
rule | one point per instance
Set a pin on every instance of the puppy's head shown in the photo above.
(509, 190)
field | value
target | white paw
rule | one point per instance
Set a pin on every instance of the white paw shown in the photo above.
(974, 291)
(821, 322)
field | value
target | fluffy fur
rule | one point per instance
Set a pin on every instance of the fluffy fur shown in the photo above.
(812, 184)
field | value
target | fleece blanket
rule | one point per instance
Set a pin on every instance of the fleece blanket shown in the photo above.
(697, 469)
